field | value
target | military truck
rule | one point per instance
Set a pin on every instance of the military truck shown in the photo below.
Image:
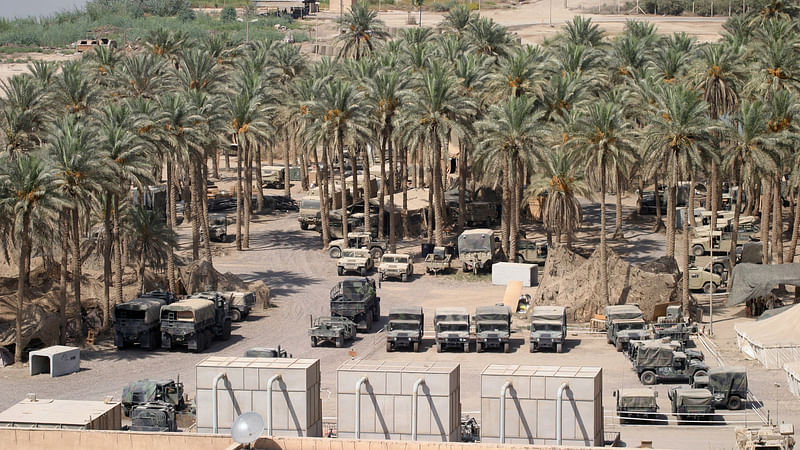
(155, 417)
(660, 363)
(478, 213)
(492, 327)
(266, 352)
(770, 437)
(195, 322)
(452, 328)
(356, 260)
(138, 322)
(691, 404)
(356, 299)
(674, 326)
(335, 330)
(396, 265)
(309, 212)
(532, 252)
(217, 227)
(636, 403)
(625, 323)
(358, 240)
(478, 249)
(273, 177)
(405, 328)
(548, 328)
(148, 391)
(728, 385)
(437, 261)
(677, 346)
(241, 304)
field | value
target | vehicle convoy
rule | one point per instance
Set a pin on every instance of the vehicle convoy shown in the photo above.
(396, 265)
(691, 404)
(195, 321)
(138, 322)
(149, 391)
(625, 323)
(335, 330)
(405, 328)
(309, 212)
(548, 328)
(437, 261)
(656, 363)
(452, 328)
(674, 326)
(273, 177)
(217, 227)
(266, 352)
(357, 300)
(478, 249)
(728, 385)
(356, 260)
(492, 327)
(241, 304)
(532, 252)
(637, 403)
(155, 417)
(770, 437)
(358, 240)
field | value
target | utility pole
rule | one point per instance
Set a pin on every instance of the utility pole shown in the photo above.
(551, 13)
(247, 23)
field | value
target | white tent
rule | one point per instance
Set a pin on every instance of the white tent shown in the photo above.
(774, 341)
(793, 377)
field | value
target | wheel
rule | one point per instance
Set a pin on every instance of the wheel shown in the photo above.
(404, 277)
(303, 226)
(236, 315)
(559, 348)
(340, 270)
(520, 259)
(478, 347)
(340, 342)
(226, 331)
(699, 373)
(376, 252)
(718, 268)
(439, 347)
(466, 347)
(618, 346)
(376, 313)
(313, 341)
(381, 277)
(533, 347)
(363, 271)
(464, 267)
(369, 322)
(734, 403)
(708, 287)
(388, 346)
(416, 347)
(335, 252)
(506, 347)
(648, 378)
(698, 250)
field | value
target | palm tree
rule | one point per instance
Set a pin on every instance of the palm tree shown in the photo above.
(23, 112)
(361, 31)
(29, 198)
(459, 18)
(150, 239)
(142, 75)
(74, 92)
(582, 31)
(290, 64)
(488, 38)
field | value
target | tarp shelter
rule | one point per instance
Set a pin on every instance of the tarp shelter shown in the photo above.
(774, 341)
(755, 280)
(792, 370)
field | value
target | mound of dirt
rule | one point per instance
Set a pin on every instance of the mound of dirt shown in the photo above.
(37, 323)
(574, 281)
(202, 276)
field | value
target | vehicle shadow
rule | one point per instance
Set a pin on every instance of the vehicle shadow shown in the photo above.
(281, 282)
(295, 240)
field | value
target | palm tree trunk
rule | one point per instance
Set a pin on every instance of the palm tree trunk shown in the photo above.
(685, 259)
(22, 283)
(404, 181)
(118, 269)
(766, 197)
(505, 226)
(107, 244)
(659, 219)
(671, 200)
(777, 223)
(259, 180)
(228, 156)
(462, 184)
(215, 163)
(239, 195)
(62, 307)
(286, 183)
(76, 270)
(171, 219)
(382, 190)
(271, 156)
(690, 207)
(618, 234)
(603, 252)
(353, 163)
(737, 210)
(790, 252)
(367, 193)
(195, 200)
(414, 172)
(248, 194)
(438, 212)
(392, 185)
(514, 213)
(324, 196)
(714, 189)
(303, 168)
(141, 272)
(340, 150)
(205, 222)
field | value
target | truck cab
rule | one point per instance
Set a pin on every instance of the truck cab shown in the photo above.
(356, 299)
(492, 327)
(548, 328)
(405, 328)
(478, 249)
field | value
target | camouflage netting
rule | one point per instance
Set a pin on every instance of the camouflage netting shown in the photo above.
(202, 276)
(574, 281)
(38, 323)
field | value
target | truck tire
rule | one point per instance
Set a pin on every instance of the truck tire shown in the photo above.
(648, 378)
(313, 341)
(698, 250)
(464, 267)
(381, 277)
(506, 347)
(699, 373)
(708, 286)
(376, 252)
(735, 403)
(335, 252)
(340, 342)
(363, 271)
(369, 322)
(439, 347)
(236, 315)
(340, 270)
(559, 348)
(618, 346)
(226, 330)
(478, 347)
(303, 226)
(199, 340)
(532, 347)
(416, 347)
(376, 313)
(388, 346)
(404, 277)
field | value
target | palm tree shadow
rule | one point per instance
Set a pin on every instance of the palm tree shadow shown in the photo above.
(281, 282)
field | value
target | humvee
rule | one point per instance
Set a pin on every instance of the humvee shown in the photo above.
(241, 303)
(273, 177)
(662, 363)
(770, 437)
(195, 321)
(452, 328)
(396, 265)
(332, 329)
(155, 417)
(266, 352)
(636, 403)
(691, 404)
(674, 326)
(405, 328)
(437, 261)
(147, 391)
(677, 346)
(532, 252)
(358, 240)
(492, 327)
(217, 227)
(720, 243)
(728, 385)
(704, 279)
(356, 299)
(355, 260)
(309, 212)
(478, 249)
(548, 328)
(625, 323)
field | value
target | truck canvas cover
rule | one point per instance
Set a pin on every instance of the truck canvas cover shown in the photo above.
(492, 313)
(351, 290)
(451, 315)
(479, 240)
(150, 306)
(756, 280)
(615, 312)
(727, 379)
(693, 397)
(407, 313)
(637, 398)
(548, 313)
(654, 355)
(202, 310)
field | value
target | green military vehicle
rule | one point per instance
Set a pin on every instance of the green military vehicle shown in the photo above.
(356, 260)
(437, 261)
(405, 328)
(548, 328)
(692, 404)
(217, 227)
(770, 437)
(452, 328)
(656, 363)
(625, 323)
(138, 322)
(728, 385)
(477, 213)
(492, 327)
(677, 346)
(309, 212)
(637, 403)
(478, 249)
(266, 352)
(396, 265)
(155, 417)
(356, 299)
(273, 177)
(195, 322)
(335, 330)
(148, 391)
(532, 252)
(673, 326)
(358, 240)
(241, 304)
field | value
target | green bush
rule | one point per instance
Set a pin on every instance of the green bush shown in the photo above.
(228, 14)
(187, 15)
(665, 7)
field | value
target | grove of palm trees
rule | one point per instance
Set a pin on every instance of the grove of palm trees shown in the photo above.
(576, 118)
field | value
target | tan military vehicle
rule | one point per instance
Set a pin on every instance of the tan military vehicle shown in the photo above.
(355, 260)
(396, 265)
(773, 437)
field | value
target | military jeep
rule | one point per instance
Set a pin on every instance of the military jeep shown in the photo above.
(728, 385)
(692, 404)
(548, 328)
(704, 279)
(356, 299)
(273, 177)
(195, 321)
(148, 391)
(217, 227)
(478, 249)
(452, 329)
(532, 252)
(405, 328)
(396, 265)
(661, 363)
(492, 327)
(770, 437)
(358, 240)
(625, 323)
(335, 330)
(138, 322)
(356, 260)
(636, 403)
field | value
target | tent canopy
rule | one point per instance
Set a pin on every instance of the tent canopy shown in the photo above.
(773, 341)
(756, 280)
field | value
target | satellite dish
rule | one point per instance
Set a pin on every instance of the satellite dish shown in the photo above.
(247, 427)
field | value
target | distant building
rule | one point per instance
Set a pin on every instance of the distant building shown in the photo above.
(297, 8)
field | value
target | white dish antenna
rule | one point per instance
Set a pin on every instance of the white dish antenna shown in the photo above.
(247, 427)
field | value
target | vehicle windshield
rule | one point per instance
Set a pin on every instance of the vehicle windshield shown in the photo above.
(403, 326)
(353, 254)
(218, 221)
(391, 259)
(492, 317)
(121, 313)
(482, 327)
(309, 203)
(453, 327)
(475, 243)
(630, 326)
(545, 327)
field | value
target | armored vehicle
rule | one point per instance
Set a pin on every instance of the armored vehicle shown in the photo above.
(532, 252)
(332, 329)
(241, 303)
(771, 437)
(358, 240)
(405, 328)
(355, 260)
(720, 243)
(656, 363)
(138, 322)
(154, 417)
(195, 322)
(452, 328)
(492, 327)
(625, 323)
(704, 279)
(149, 391)
(309, 212)
(273, 176)
(727, 384)
(692, 404)
(396, 265)
(636, 403)
(266, 352)
(548, 328)
(437, 261)
(478, 249)
(217, 227)
(356, 299)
